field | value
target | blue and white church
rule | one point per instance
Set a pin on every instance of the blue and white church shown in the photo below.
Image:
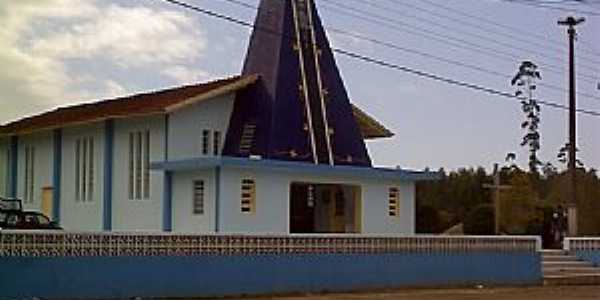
(279, 149)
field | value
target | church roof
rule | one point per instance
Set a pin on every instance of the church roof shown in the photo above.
(156, 103)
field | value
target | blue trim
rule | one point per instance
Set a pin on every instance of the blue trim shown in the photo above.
(14, 166)
(168, 202)
(167, 137)
(57, 176)
(295, 167)
(217, 199)
(109, 141)
(212, 276)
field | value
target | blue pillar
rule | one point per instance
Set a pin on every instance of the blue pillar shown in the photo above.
(14, 164)
(109, 142)
(217, 198)
(57, 173)
(168, 202)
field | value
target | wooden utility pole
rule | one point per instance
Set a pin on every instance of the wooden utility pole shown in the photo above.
(496, 187)
(571, 22)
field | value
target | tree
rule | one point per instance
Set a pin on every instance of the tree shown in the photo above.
(525, 81)
(480, 220)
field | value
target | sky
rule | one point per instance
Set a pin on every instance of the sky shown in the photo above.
(63, 52)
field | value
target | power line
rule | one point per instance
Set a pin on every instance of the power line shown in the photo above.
(487, 38)
(552, 7)
(542, 41)
(397, 47)
(432, 35)
(380, 62)
(506, 27)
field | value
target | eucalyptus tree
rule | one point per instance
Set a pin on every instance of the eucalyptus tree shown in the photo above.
(525, 83)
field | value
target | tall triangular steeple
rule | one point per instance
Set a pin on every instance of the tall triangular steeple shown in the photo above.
(300, 109)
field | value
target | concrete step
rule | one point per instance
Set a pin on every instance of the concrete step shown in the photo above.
(580, 279)
(553, 252)
(559, 258)
(578, 270)
(566, 264)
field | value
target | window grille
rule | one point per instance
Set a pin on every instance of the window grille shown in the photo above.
(248, 196)
(394, 202)
(84, 169)
(139, 165)
(198, 197)
(205, 141)
(216, 143)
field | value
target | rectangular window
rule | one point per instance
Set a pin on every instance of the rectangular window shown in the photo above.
(131, 166)
(248, 196)
(90, 183)
(216, 143)
(28, 186)
(139, 165)
(198, 197)
(84, 169)
(205, 142)
(77, 169)
(394, 202)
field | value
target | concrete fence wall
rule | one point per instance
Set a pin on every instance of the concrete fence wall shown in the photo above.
(56, 265)
(587, 249)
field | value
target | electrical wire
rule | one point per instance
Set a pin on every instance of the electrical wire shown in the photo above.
(382, 63)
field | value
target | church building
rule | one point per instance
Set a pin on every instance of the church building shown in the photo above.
(279, 149)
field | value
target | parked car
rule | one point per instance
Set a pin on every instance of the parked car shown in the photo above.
(26, 220)
(12, 216)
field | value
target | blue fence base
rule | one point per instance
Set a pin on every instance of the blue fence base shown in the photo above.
(206, 276)
(592, 256)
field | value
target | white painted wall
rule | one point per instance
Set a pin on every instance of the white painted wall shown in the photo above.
(127, 214)
(43, 166)
(184, 219)
(3, 167)
(272, 202)
(376, 219)
(76, 215)
(186, 125)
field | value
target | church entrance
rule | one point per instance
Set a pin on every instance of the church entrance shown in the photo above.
(325, 208)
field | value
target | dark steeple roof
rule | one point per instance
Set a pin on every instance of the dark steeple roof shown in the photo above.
(299, 110)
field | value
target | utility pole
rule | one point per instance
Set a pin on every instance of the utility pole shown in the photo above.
(496, 187)
(571, 22)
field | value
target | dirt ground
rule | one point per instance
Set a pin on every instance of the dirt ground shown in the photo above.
(545, 293)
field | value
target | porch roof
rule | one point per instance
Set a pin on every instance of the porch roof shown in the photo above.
(203, 163)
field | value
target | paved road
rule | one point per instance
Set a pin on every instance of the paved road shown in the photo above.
(549, 293)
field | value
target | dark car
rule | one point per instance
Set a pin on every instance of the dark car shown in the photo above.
(26, 220)
(12, 216)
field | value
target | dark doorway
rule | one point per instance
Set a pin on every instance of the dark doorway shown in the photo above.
(324, 208)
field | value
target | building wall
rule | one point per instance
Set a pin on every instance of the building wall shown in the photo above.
(272, 206)
(272, 202)
(127, 214)
(42, 165)
(184, 219)
(186, 125)
(3, 167)
(79, 215)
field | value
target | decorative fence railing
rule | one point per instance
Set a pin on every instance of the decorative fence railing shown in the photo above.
(76, 244)
(582, 244)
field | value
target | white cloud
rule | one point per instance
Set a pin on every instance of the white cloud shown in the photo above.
(39, 40)
(185, 75)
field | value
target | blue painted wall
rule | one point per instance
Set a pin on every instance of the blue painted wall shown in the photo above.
(14, 158)
(205, 276)
(109, 141)
(57, 172)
